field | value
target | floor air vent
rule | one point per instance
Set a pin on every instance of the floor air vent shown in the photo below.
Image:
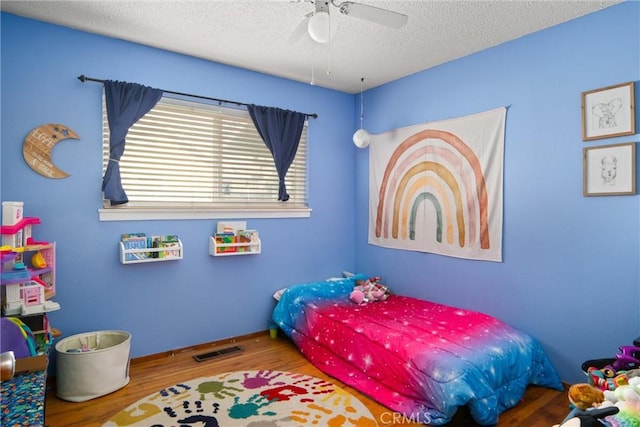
(217, 353)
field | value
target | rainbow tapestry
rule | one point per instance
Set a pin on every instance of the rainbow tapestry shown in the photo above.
(437, 187)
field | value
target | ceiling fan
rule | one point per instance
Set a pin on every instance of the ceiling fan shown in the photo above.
(321, 28)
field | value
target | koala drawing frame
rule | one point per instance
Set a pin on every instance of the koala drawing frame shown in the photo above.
(609, 170)
(608, 112)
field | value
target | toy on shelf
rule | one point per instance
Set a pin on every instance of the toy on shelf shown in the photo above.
(19, 235)
(28, 266)
(38, 261)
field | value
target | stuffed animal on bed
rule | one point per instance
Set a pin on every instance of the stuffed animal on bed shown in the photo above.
(369, 290)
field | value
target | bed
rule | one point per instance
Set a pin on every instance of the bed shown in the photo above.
(416, 357)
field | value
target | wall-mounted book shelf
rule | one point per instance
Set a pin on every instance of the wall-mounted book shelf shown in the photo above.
(232, 238)
(229, 249)
(136, 255)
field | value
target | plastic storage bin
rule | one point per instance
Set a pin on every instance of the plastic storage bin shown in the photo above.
(596, 363)
(92, 364)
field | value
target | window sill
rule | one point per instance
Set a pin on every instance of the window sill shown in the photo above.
(148, 214)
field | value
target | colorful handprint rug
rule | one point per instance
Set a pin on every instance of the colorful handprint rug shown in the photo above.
(248, 399)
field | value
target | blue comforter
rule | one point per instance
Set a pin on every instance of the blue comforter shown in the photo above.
(418, 358)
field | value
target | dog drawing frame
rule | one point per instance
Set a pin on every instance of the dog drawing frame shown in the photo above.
(608, 112)
(609, 170)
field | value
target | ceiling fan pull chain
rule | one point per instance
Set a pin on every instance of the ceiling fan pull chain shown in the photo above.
(313, 57)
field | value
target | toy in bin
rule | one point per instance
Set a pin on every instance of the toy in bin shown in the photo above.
(609, 374)
(612, 396)
(84, 347)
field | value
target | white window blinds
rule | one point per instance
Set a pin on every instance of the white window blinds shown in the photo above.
(190, 154)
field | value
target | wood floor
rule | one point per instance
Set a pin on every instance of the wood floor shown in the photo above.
(540, 407)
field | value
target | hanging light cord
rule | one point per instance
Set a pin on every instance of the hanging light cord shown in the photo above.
(361, 137)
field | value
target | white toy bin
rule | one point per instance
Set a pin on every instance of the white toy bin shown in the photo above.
(92, 364)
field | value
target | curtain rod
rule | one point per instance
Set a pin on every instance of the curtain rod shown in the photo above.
(84, 78)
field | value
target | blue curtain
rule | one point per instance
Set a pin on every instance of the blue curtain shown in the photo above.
(126, 104)
(280, 130)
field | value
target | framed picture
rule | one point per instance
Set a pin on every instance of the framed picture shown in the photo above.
(608, 112)
(609, 170)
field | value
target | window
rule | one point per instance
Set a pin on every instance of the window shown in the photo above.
(186, 156)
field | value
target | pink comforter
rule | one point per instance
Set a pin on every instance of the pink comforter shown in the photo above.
(416, 357)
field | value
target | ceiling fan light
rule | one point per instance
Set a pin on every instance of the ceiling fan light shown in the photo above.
(361, 138)
(321, 27)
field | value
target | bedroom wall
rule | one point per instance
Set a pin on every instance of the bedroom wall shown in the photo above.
(174, 304)
(570, 274)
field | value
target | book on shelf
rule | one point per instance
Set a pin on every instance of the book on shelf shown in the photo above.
(225, 239)
(163, 244)
(230, 226)
(248, 236)
(134, 241)
(171, 246)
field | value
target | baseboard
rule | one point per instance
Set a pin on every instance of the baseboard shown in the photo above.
(170, 353)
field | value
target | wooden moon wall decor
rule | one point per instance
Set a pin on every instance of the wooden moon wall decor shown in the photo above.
(39, 144)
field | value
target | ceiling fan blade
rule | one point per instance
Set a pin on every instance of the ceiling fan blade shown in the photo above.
(374, 14)
(300, 29)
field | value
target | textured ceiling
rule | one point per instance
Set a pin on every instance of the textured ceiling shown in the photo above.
(257, 34)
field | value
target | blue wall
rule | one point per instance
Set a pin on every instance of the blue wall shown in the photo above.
(570, 275)
(173, 304)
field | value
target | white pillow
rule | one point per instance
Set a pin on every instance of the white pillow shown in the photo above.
(279, 293)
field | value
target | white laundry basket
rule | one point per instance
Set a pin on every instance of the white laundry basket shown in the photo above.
(92, 364)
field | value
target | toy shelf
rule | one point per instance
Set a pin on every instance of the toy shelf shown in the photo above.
(136, 256)
(231, 249)
(28, 280)
(15, 277)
